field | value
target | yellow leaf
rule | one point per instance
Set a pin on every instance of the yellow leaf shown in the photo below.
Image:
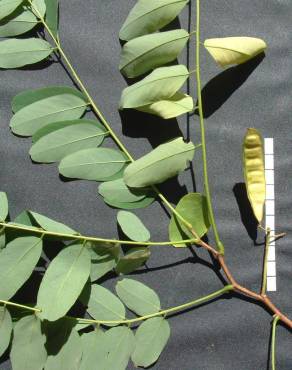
(234, 50)
(254, 171)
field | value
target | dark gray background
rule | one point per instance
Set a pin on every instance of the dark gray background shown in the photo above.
(228, 333)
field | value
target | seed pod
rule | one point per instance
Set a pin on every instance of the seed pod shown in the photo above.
(254, 171)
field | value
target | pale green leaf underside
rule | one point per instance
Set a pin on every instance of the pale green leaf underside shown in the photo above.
(54, 126)
(104, 305)
(138, 297)
(133, 259)
(161, 84)
(21, 20)
(175, 106)
(28, 345)
(234, 50)
(99, 164)
(103, 260)
(51, 225)
(40, 113)
(16, 53)
(118, 191)
(94, 349)
(132, 226)
(3, 206)
(69, 356)
(56, 145)
(148, 16)
(145, 53)
(8, 6)
(63, 282)
(5, 329)
(193, 208)
(151, 338)
(17, 263)
(52, 16)
(143, 203)
(162, 163)
(120, 343)
(29, 97)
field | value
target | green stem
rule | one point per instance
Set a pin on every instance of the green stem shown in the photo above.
(96, 110)
(90, 238)
(7, 303)
(273, 344)
(265, 268)
(219, 244)
(168, 311)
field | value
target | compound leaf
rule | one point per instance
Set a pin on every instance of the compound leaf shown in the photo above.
(132, 226)
(162, 163)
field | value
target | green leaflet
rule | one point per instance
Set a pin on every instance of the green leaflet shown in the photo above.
(51, 225)
(163, 162)
(132, 226)
(54, 126)
(118, 191)
(5, 329)
(138, 297)
(104, 305)
(175, 106)
(69, 356)
(17, 262)
(3, 206)
(99, 164)
(56, 145)
(148, 16)
(21, 20)
(28, 345)
(133, 205)
(94, 349)
(16, 53)
(8, 6)
(151, 338)
(234, 50)
(133, 259)
(161, 84)
(38, 114)
(63, 281)
(193, 208)
(120, 342)
(52, 16)
(29, 97)
(145, 53)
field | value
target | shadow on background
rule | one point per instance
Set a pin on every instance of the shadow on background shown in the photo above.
(246, 213)
(218, 90)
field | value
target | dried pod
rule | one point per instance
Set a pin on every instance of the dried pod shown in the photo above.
(254, 171)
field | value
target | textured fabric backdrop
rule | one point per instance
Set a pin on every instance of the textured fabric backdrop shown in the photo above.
(227, 333)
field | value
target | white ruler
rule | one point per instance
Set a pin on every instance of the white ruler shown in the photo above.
(270, 212)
